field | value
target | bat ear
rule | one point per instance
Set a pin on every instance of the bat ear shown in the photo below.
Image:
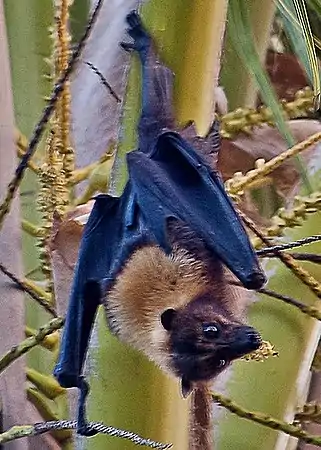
(208, 146)
(167, 318)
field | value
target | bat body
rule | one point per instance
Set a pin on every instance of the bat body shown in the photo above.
(177, 310)
(154, 256)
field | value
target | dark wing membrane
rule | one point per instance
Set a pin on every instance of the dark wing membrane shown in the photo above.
(95, 258)
(114, 230)
(176, 182)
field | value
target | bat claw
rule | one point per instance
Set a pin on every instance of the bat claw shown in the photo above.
(83, 427)
(127, 46)
(86, 431)
(137, 31)
(133, 20)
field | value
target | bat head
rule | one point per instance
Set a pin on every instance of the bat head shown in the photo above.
(203, 342)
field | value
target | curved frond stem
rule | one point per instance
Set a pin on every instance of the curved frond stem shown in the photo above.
(266, 420)
(237, 184)
(27, 344)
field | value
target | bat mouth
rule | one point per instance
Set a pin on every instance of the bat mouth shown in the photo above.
(201, 367)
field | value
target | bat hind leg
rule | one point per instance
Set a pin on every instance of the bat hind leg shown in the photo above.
(83, 428)
(157, 82)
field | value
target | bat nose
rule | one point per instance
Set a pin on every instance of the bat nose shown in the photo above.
(256, 280)
(253, 338)
(247, 339)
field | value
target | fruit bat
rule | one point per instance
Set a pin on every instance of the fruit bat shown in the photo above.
(174, 199)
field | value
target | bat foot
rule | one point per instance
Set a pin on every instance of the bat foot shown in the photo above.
(136, 30)
(134, 21)
(86, 431)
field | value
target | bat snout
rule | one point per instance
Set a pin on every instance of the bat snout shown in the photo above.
(247, 339)
(253, 338)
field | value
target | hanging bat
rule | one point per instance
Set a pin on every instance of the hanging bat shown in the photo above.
(155, 257)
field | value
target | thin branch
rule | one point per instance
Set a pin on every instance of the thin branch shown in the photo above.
(236, 186)
(50, 342)
(243, 120)
(310, 412)
(27, 344)
(266, 420)
(83, 173)
(39, 129)
(308, 257)
(18, 432)
(30, 228)
(103, 81)
(286, 259)
(267, 251)
(305, 309)
(32, 166)
(24, 287)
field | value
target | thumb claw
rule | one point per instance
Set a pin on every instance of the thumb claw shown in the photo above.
(127, 46)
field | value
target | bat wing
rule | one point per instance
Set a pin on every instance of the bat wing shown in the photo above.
(108, 236)
(176, 182)
(114, 229)
(94, 261)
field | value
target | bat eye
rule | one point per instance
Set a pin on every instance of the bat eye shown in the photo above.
(221, 363)
(211, 330)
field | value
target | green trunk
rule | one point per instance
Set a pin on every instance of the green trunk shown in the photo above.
(128, 391)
